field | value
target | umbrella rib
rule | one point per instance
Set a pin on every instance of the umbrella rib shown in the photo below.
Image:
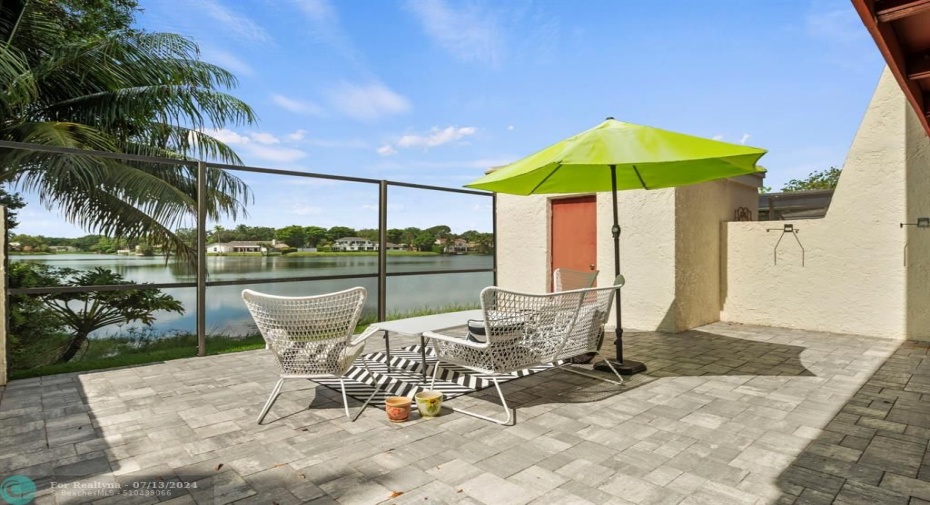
(545, 179)
(641, 181)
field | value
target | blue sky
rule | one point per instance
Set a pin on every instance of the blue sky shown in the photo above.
(435, 91)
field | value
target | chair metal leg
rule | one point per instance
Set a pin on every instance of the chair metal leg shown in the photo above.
(614, 370)
(585, 374)
(365, 405)
(271, 399)
(345, 401)
(508, 410)
(432, 383)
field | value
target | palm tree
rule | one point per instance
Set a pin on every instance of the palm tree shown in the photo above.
(120, 91)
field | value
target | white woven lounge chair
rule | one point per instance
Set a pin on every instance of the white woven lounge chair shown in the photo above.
(564, 279)
(310, 336)
(523, 330)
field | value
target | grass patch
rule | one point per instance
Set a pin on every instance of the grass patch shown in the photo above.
(125, 351)
(138, 347)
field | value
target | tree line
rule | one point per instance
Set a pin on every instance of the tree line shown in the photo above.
(317, 236)
(293, 235)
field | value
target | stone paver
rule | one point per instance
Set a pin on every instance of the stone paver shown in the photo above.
(726, 414)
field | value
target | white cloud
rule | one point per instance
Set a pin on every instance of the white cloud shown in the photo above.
(386, 150)
(275, 154)
(436, 137)
(296, 136)
(367, 102)
(228, 136)
(745, 138)
(467, 32)
(718, 136)
(510, 128)
(297, 106)
(228, 61)
(258, 146)
(241, 26)
(233, 138)
(264, 138)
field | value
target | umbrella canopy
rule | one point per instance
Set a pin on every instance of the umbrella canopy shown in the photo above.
(615, 156)
(645, 158)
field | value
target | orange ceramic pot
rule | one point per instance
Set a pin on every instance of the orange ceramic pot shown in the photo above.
(397, 408)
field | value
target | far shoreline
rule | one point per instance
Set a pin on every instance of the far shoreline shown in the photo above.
(255, 254)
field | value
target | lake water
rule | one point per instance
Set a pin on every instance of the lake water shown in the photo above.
(227, 314)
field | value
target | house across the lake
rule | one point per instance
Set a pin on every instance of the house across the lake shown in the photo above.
(354, 244)
(363, 244)
(243, 246)
(457, 246)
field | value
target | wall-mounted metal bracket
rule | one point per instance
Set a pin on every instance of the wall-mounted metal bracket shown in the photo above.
(788, 228)
(922, 222)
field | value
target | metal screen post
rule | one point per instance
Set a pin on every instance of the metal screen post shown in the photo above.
(4, 301)
(494, 234)
(201, 258)
(382, 250)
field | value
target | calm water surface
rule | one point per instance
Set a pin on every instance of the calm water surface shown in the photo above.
(227, 314)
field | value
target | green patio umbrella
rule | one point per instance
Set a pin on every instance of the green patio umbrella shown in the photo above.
(615, 156)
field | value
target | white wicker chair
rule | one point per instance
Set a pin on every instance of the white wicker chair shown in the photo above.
(564, 279)
(310, 336)
(523, 330)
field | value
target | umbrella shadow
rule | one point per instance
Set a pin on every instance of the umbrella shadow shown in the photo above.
(691, 353)
(699, 353)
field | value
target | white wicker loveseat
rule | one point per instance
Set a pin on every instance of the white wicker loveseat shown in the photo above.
(522, 330)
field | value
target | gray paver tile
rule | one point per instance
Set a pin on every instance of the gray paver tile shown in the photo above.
(491, 489)
(854, 493)
(639, 491)
(906, 486)
(827, 426)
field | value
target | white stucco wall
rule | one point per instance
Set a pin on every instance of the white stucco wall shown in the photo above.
(699, 211)
(523, 243)
(669, 243)
(853, 278)
(647, 254)
(918, 240)
(646, 243)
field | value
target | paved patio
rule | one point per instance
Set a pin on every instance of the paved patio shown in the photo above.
(735, 414)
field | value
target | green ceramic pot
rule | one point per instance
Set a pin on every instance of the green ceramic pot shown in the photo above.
(429, 403)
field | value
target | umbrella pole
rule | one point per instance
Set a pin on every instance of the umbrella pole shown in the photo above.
(625, 367)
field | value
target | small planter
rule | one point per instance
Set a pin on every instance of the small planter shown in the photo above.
(429, 403)
(397, 408)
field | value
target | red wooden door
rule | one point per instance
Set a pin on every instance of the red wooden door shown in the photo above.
(574, 234)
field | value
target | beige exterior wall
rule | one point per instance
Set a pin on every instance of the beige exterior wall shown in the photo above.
(917, 182)
(853, 279)
(699, 211)
(647, 254)
(523, 243)
(687, 264)
(669, 249)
